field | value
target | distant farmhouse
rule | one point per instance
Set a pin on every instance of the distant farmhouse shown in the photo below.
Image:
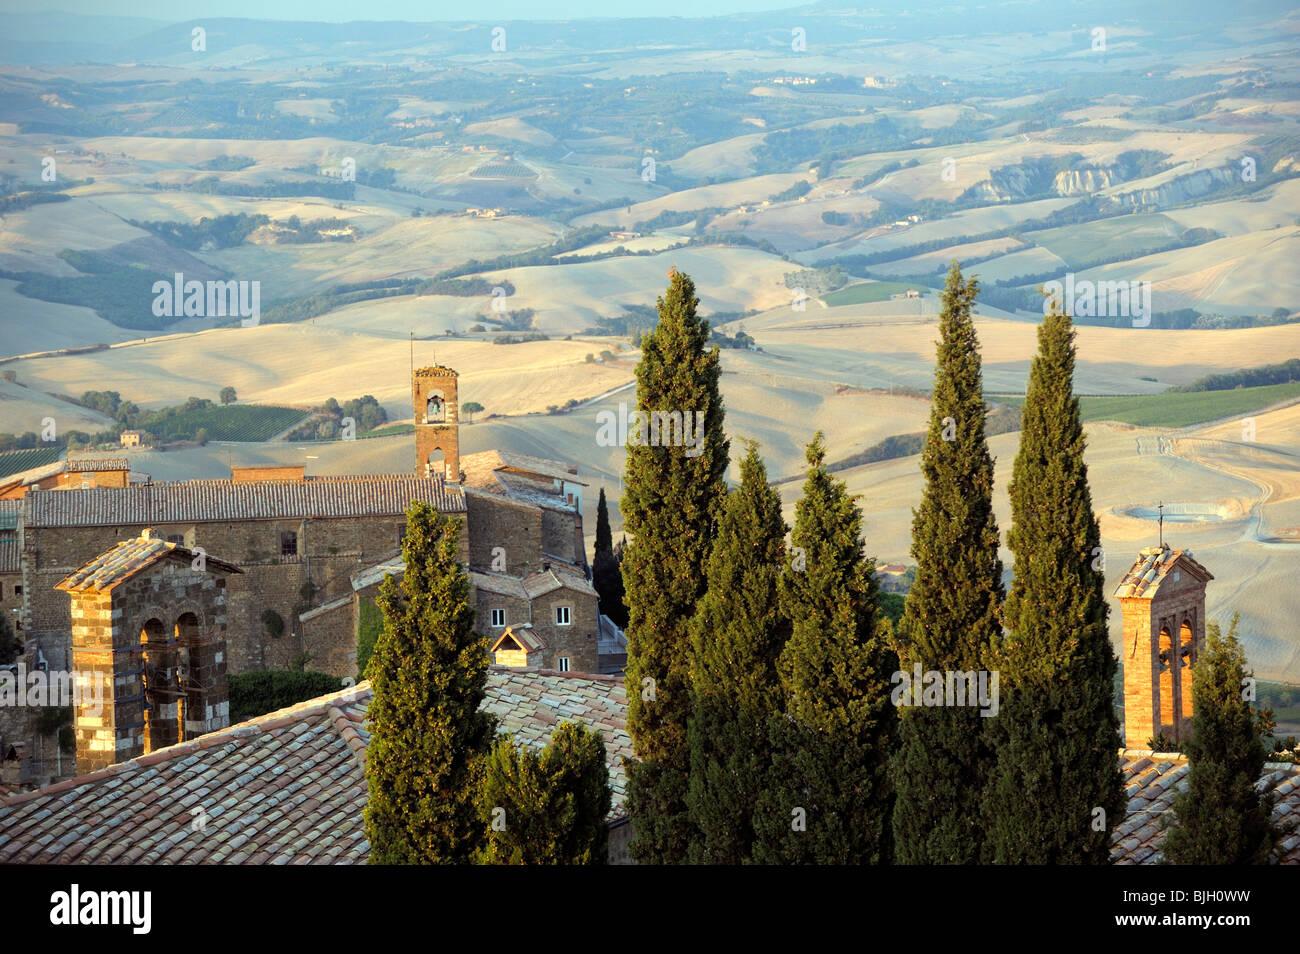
(306, 551)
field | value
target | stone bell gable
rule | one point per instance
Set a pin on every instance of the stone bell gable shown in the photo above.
(148, 649)
(1163, 601)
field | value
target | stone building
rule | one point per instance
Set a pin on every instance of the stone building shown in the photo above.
(298, 543)
(1163, 600)
(148, 649)
(312, 548)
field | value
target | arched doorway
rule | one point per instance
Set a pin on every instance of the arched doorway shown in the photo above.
(436, 465)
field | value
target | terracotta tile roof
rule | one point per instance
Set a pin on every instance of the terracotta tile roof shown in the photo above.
(87, 465)
(127, 559)
(498, 583)
(205, 500)
(540, 465)
(1152, 779)
(1152, 567)
(286, 788)
(519, 477)
(9, 562)
(557, 575)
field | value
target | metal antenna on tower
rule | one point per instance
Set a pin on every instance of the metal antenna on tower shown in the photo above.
(1161, 508)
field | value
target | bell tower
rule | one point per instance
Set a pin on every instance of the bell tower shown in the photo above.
(437, 440)
(1163, 601)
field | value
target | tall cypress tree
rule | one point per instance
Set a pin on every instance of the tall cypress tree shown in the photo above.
(606, 575)
(950, 621)
(674, 494)
(828, 797)
(1057, 733)
(736, 636)
(1220, 819)
(429, 676)
(547, 808)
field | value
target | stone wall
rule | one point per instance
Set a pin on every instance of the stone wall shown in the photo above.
(330, 638)
(517, 611)
(514, 527)
(578, 640)
(562, 536)
(330, 551)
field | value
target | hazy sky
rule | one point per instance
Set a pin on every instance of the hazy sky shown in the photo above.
(415, 10)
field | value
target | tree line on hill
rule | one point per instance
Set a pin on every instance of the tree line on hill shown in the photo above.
(1281, 373)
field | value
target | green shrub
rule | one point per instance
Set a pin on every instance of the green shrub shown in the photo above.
(256, 693)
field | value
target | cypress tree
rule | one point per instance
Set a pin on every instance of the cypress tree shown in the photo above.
(950, 620)
(1220, 819)
(428, 735)
(1057, 733)
(606, 575)
(736, 636)
(547, 808)
(828, 799)
(673, 497)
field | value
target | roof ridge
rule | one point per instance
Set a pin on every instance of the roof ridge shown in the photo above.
(349, 733)
(590, 676)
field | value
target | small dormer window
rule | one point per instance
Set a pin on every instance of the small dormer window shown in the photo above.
(562, 616)
(564, 664)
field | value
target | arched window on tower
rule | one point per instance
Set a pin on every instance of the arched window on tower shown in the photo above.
(1186, 646)
(188, 683)
(1167, 722)
(153, 682)
(435, 410)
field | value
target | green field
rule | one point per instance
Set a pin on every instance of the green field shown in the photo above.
(1124, 236)
(1181, 410)
(15, 462)
(864, 292)
(1175, 409)
(235, 422)
(389, 430)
